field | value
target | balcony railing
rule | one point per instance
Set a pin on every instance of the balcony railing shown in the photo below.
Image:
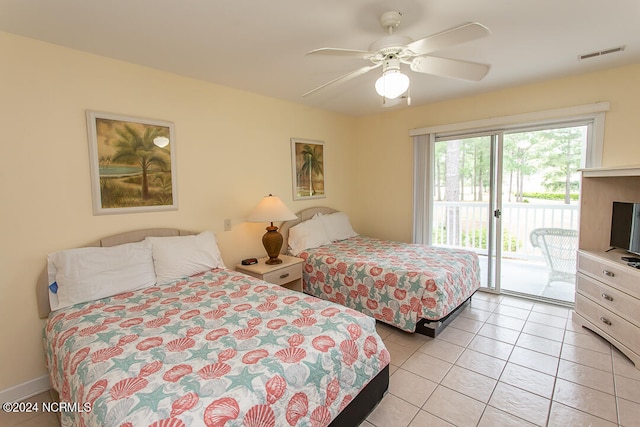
(465, 225)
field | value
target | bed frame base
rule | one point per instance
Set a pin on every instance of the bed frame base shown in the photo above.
(432, 328)
(365, 402)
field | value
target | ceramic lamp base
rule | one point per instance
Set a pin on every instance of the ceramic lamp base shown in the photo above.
(272, 241)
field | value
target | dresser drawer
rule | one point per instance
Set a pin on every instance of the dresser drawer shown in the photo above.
(609, 322)
(619, 276)
(284, 275)
(618, 302)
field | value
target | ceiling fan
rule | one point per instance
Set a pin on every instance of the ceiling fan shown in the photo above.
(392, 50)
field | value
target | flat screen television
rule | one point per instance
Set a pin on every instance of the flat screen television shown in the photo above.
(625, 226)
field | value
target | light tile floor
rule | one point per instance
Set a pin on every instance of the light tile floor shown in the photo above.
(504, 361)
(507, 361)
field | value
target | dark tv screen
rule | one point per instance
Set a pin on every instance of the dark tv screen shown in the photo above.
(625, 226)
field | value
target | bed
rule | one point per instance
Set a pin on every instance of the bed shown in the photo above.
(217, 348)
(416, 288)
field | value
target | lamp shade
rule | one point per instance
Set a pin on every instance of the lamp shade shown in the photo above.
(271, 209)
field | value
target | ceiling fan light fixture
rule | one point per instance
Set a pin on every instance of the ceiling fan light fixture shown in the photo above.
(392, 84)
(392, 50)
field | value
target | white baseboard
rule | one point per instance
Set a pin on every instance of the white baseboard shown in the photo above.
(25, 390)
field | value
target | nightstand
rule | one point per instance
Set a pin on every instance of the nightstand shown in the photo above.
(288, 274)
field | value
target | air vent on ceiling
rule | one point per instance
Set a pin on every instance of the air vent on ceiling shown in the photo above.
(602, 52)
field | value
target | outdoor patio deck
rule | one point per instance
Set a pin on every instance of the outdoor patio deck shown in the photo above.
(523, 268)
(530, 277)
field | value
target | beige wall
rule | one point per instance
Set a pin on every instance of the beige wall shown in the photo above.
(232, 148)
(385, 151)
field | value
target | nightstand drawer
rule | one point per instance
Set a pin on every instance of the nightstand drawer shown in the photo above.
(610, 323)
(284, 275)
(608, 297)
(287, 274)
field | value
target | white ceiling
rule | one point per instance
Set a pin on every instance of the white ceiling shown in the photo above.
(260, 46)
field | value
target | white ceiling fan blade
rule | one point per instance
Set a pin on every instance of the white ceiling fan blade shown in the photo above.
(450, 68)
(462, 34)
(344, 78)
(341, 52)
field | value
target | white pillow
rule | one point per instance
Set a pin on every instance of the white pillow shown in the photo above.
(337, 226)
(87, 274)
(183, 256)
(308, 234)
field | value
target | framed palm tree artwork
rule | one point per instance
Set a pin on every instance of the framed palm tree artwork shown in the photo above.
(133, 166)
(307, 161)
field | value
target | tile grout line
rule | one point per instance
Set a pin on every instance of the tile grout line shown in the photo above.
(501, 373)
(475, 334)
(615, 387)
(555, 377)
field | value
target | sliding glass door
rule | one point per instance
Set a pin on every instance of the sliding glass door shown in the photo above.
(540, 211)
(465, 205)
(512, 197)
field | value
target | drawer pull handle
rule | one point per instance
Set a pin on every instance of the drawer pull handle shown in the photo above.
(284, 276)
(607, 297)
(608, 273)
(605, 321)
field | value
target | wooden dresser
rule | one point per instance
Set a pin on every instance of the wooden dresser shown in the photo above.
(608, 300)
(607, 289)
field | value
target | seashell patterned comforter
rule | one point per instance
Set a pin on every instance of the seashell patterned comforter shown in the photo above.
(219, 349)
(394, 282)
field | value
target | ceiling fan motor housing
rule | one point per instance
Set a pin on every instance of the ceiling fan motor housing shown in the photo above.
(391, 62)
(394, 42)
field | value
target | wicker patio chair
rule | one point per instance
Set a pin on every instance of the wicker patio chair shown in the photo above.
(559, 248)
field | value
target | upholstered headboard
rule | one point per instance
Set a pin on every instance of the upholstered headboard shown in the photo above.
(42, 289)
(303, 215)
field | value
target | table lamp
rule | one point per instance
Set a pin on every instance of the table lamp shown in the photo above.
(271, 209)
